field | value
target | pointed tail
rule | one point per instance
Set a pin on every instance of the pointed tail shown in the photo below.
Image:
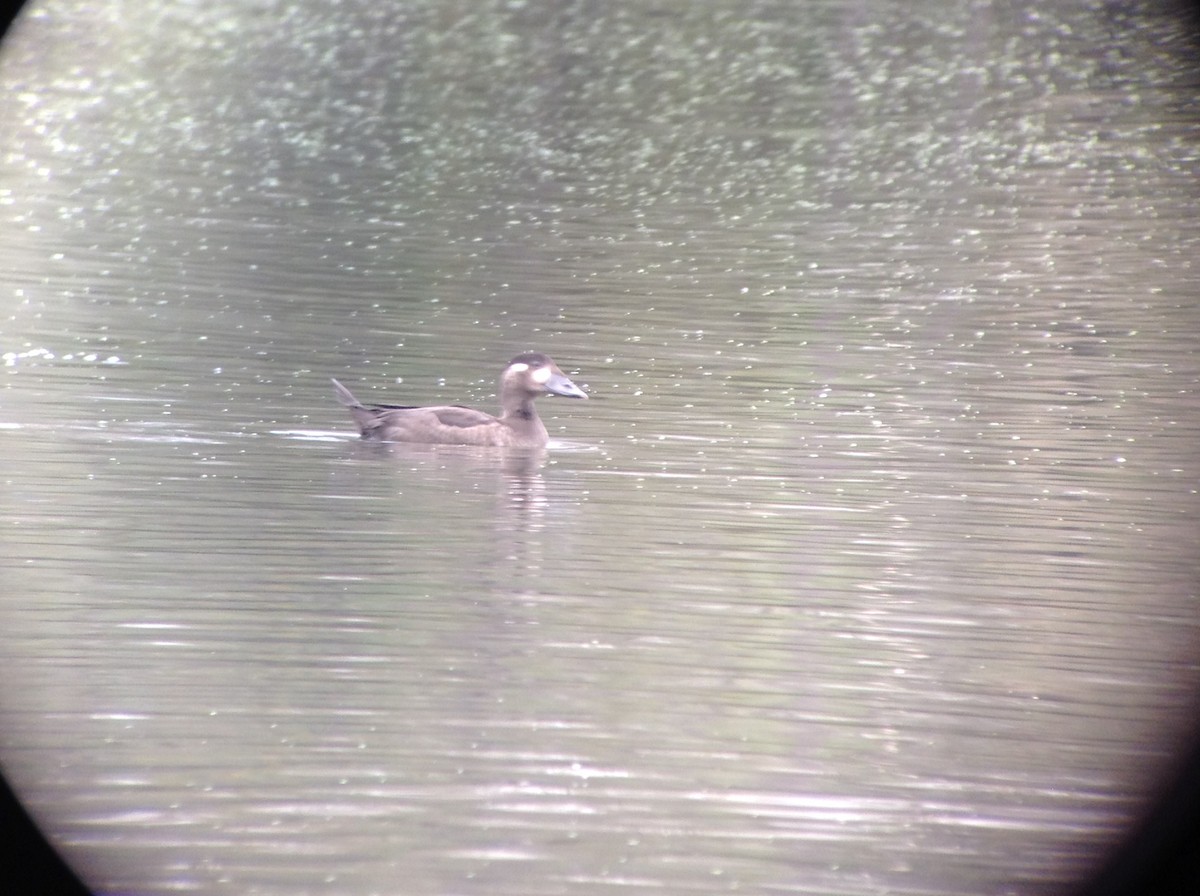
(345, 396)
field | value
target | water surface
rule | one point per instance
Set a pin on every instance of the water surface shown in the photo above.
(869, 567)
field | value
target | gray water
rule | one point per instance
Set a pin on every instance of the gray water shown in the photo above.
(870, 566)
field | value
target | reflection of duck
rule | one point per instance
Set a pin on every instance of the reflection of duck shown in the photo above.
(524, 379)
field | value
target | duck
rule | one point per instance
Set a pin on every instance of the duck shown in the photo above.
(526, 377)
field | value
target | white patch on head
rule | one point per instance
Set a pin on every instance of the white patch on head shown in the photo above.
(542, 375)
(518, 367)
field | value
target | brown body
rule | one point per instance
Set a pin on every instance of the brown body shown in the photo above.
(525, 378)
